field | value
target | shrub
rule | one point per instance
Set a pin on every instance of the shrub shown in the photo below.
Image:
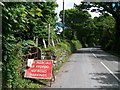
(12, 67)
(77, 44)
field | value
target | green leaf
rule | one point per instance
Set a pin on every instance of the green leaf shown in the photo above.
(38, 9)
(39, 14)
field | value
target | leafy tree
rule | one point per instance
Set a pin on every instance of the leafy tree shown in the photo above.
(105, 30)
(79, 25)
(29, 19)
(74, 19)
(21, 22)
(111, 7)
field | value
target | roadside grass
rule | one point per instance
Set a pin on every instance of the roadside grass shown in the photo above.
(56, 69)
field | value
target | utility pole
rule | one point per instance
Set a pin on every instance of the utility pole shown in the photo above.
(63, 18)
(48, 35)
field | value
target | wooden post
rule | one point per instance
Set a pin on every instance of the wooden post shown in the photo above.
(44, 43)
(53, 42)
(63, 19)
(48, 35)
(37, 42)
(57, 41)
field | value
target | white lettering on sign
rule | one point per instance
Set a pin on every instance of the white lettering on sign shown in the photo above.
(37, 66)
(39, 71)
(42, 62)
(38, 75)
(33, 66)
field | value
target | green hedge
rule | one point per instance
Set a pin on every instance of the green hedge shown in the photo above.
(13, 68)
(12, 62)
(64, 47)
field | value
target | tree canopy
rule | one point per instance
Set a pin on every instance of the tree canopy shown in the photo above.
(106, 7)
(97, 31)
(21, 23)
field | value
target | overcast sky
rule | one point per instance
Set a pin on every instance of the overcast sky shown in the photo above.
(69, 4)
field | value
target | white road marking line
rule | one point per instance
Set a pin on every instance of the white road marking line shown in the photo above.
(94, 55)
(110, 71)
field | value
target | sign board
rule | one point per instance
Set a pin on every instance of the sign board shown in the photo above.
(41, 69)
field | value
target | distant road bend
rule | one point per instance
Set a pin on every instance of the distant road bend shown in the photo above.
(89, 68)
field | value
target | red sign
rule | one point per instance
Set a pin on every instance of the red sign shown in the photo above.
(41, 69)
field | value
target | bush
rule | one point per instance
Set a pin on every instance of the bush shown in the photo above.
(12, 62)
(63, 48)
(77, 44)
(73, 45)
(12, 65)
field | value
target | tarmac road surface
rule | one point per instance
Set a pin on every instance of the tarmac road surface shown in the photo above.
(89, 68)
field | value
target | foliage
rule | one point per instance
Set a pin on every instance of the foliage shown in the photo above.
(79, 25)
(105, 31)
(22, 22)
(65, 47)
(33, 19)
(12, 64)
(77, 44)
(73, 17)
(112, 8)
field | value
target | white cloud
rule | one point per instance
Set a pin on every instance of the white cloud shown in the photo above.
(94, 14)
(69, 4)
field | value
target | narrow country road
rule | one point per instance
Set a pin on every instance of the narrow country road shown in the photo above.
(89, 68)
